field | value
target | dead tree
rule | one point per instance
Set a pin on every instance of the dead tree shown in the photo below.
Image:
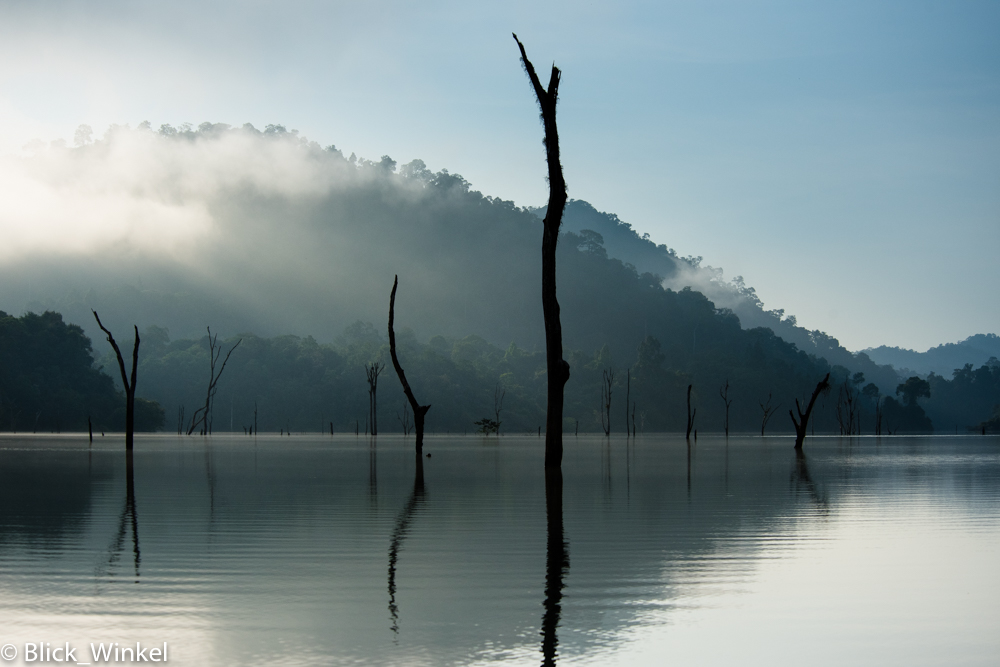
(419, 411)
(628, 394)
(691, 415)
(803, 420)
(606, 384)
(768, 413)
(126, 382)
(724, 394)
(404, 421)
(202, 416)
(372, 371)
(556, 367)
(498, 396)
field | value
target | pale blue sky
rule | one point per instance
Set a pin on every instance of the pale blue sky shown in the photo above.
(843, 157)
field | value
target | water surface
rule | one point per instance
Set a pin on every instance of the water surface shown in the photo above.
(317, 550)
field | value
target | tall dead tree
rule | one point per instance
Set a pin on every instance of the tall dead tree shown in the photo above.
(606, 383)
(126, 382)
(419, 411)
(202, 416)
(803, 420)
(724, 394)
(556, 367)
(372, 371)
(691, 415)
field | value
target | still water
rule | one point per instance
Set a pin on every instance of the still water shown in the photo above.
(337, 550)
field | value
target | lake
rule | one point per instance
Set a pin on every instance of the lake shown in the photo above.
(339, 550)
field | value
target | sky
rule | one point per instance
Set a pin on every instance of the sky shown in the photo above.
(844, 158)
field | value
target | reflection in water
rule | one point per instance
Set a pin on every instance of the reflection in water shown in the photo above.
(373, 472)
(399, 533)
(800, 475)
(127, 518)
(556, 565)
(296, 553)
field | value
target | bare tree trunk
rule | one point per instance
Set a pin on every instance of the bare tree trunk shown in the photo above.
(557, 368)
(803, 420)
(419, 411)
(768, 413)
(691, 415)
(372, 371)
(628, 394)
(606, 384)
(129, 385)
(724, 393)
(214, 351)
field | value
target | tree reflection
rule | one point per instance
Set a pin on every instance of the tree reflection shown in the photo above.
(556, 565)
(128, 518)
(801, 476)
(399, 533)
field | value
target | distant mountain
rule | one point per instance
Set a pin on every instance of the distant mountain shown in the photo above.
(943, 359)
(621, 241)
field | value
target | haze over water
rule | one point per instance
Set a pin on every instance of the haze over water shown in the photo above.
(320, 550)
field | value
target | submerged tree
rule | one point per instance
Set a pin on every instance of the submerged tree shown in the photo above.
(691, 415)
(607, 382)
(372, 371)
(203, 415)
(557, 368)
(126, 382)
(419, 411)
(803, 420)
(724, 394)
(768, 412)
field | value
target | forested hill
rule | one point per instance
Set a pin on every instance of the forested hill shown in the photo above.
(943, 359)
(621, 241)
(266, 232)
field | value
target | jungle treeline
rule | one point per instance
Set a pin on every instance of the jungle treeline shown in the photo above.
(288, 383)
(52, 380)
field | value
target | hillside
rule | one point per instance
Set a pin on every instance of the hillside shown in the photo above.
(266, 233)
(943, 359)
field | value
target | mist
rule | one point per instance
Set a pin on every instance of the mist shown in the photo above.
(259, 231)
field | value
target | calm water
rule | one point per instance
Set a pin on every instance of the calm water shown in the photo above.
(316, 550)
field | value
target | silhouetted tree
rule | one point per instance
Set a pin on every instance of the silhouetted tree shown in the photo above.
(628, 394)
(557, 367)
(498, 395)
(803, 420)
(419, 411)
(203, 415)
(691, 415)
(871, 392)
(724, 394)
(913, 389)
(372, 371)
(129, 384)
(768, 413)
(607, 381)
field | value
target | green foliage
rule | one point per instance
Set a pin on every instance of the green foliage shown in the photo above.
(913, 389)
(488, 426)
(48, 381)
